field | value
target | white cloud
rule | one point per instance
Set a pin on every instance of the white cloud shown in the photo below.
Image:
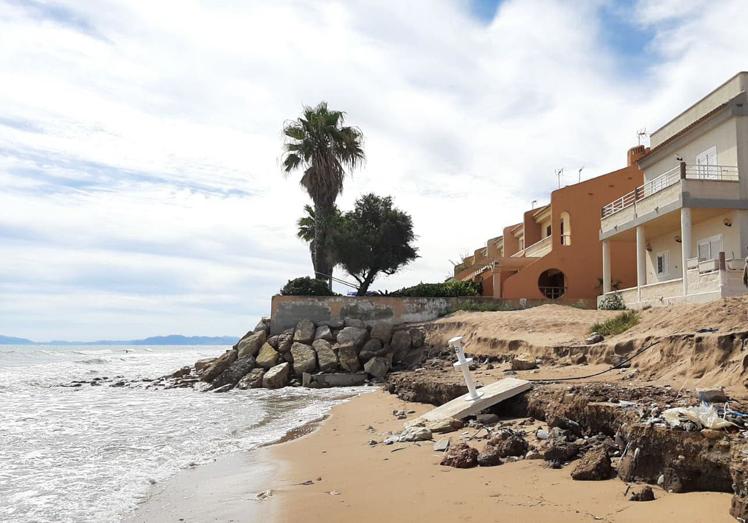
(139, 141)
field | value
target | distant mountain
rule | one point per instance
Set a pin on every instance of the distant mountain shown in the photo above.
(10, 340)
(173, 339)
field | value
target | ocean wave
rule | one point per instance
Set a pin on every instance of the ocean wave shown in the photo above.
(94, 361)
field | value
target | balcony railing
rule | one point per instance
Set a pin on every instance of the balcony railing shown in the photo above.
(671, 177)
(539, 249)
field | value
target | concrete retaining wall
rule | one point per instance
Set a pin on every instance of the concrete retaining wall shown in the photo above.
(287, 311)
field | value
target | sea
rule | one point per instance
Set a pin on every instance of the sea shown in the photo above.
(93, 453)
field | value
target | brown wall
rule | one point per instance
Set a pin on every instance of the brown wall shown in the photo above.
(511, 244)
(581, 262)
(532, 228)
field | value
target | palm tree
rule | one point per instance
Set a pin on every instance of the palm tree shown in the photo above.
(307, 228)
(324, 148)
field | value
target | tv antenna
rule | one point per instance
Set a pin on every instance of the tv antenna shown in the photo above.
(559, 173)
(641, 133)
(579, 174)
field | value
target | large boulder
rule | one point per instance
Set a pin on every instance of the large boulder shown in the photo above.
(461, 456)
(304, 332)
(220, 364)
(273, 341)
(382, 332)
(250, 345)
(377, 367)
(323, 332)
(509, 444)
(355, 322)
(251, 380)
(523, 362)
(277, 376)
(234, 372)
(348, 356)
(201, 365)
(371, 348)
(594, 466)
(263, 325)
(304, 358)
(401, 341)
(285, 340)
(354, 335)
(267, 357)
(326, 357)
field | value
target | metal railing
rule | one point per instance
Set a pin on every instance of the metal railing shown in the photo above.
(553, 292)
(671, 177)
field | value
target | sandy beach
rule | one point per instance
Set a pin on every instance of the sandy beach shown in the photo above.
(334, 475)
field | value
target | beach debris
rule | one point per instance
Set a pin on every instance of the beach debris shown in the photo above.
(594, 466)
(445, 425)
(542, 434)
(711, 395)
(415, 433)
(509, 443)
(391, 439)
(645, 494)
(400, 414)
(441, 445)
(565, 424)
(372, 442)
(334, 493)
(461, 456)
(224, 388)
(561, 451)
(702, 416)
(593, 338)
(261, 496)
(464, 364)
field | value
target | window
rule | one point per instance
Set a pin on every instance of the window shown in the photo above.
(661, 263)
(709, 248)
(565, 228)
(548, 230)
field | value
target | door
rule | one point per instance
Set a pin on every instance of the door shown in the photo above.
(706, 163)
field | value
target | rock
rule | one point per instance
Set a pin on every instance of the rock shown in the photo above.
(444, 425)
(712, 395)
(323, 332)
(594, 338)
(490, 457)
(542, 434)
(565, 424)
(371, 348)
(250, 345)
(417, 338)
(263, 326)
(415, 433)
(461, 456)
(382, 332)
(523, 362)
(354, 335)
(268, 357)
(304, 358)
(285, 340)
(712, 434)
(220, 364)
(234, 372)
(561, 452)
(326, 357)
(347, 356)
(400, 343)
(441, 445)
(333, 324)
(645, 494)
(277, 376)
(487, 419)
(509, 444)
(337, 379)
(273, 341)
(201, 365)
(354, 322)
(180, 373)
(377, 367)
(304, 332)
(594, 466)
(251, 380)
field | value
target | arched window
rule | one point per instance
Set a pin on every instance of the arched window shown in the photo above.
(565, 228)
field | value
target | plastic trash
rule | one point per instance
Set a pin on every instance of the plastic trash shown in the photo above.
(705, 416)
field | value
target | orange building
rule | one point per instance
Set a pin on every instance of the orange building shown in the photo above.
(555, 251)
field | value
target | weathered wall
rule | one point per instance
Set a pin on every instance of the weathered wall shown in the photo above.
(287, 311)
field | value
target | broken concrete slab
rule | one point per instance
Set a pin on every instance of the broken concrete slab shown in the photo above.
(337, 379)
(463, 406)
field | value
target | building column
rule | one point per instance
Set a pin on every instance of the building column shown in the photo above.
(641, 260)
(606, 267)
(685, 244)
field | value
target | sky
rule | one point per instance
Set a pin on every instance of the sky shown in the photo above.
(140, 141)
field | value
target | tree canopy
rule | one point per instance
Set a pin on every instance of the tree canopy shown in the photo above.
(375, 237)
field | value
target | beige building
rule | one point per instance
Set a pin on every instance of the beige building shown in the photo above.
(690, 217)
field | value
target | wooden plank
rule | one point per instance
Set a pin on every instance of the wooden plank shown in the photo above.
(463, 407)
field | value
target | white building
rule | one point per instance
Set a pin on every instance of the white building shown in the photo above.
(692, 211)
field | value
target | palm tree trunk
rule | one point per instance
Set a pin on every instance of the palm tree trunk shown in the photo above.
(321, 256)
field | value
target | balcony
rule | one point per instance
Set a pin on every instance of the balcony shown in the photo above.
(539, 249)
(667, 190)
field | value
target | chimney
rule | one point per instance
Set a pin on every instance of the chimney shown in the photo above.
(635, 153)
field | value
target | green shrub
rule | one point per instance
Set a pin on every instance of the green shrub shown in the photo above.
(616, 325)
(306, 286)
(612, 302)
(448, 289)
